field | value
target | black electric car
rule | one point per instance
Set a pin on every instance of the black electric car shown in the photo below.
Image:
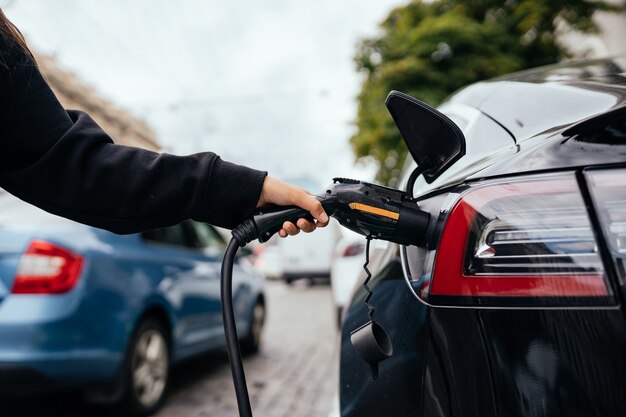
(515, 305)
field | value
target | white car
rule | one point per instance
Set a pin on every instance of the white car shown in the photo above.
(346, 272)
(309, 255)
(268, 260)
(347, 267)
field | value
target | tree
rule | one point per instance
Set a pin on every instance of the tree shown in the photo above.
(429, 50)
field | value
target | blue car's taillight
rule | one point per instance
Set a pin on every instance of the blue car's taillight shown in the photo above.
(519, 242)
(46, 268)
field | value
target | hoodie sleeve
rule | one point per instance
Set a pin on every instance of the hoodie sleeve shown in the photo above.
(64, 163)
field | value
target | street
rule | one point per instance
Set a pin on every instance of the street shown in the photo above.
(294, 375)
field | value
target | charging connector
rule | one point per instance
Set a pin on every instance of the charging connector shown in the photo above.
(371, 210)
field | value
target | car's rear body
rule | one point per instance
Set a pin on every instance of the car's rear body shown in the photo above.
(515, 308)
(46, 339)
(77, 336)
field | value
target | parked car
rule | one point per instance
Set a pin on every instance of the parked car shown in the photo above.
(268, 259)
(346, 271)
(308, 255)
(108, 314)
(514, 306)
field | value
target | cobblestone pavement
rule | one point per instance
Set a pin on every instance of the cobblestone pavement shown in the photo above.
(294, 375)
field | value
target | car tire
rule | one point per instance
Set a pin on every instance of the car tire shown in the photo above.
(146, 369)
(251, 342)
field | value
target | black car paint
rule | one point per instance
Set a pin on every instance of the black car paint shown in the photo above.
(552, 151)
(399, 384)
(557, 362)
(498, 362)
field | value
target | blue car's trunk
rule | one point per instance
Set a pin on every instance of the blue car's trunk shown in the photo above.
(13, 242)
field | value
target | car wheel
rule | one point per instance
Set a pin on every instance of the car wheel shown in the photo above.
(251, 343)
(147, 369)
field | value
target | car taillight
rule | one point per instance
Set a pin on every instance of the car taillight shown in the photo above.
(258, 250)
(46, 268)
(608, 190)
(354, 249)
(521, 242)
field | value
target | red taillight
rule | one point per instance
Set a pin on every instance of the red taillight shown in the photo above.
(258, 250)
(353, 249)
(46, 268)
(519, 241)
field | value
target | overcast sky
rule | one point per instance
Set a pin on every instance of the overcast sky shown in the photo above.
(266, 83)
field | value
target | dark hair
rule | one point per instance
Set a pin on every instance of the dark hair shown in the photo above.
(12, 37)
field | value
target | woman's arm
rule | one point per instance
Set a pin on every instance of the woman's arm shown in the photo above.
(64, 163)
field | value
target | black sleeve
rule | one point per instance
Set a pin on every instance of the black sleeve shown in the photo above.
(62, 162)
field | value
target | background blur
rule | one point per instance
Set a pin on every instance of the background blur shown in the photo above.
(298, 88)
(269, 84)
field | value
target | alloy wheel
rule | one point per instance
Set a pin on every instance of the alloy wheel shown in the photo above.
(149, 367)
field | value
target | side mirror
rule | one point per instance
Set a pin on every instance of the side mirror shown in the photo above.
(434, 141)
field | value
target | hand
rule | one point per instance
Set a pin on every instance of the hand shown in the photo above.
(280, 193)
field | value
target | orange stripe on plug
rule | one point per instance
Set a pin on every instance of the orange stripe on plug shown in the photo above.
(374, 210)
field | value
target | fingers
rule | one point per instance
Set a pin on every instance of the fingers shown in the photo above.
(301, 198)
(289, 229)
(277, 192)
(310, 203)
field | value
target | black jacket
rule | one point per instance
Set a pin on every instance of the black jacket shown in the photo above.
(64, 163)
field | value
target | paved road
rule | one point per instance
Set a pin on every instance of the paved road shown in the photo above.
(294, 375)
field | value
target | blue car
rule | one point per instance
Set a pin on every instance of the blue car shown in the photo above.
(84, 308)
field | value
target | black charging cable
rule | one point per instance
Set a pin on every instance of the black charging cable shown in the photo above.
(371, 210)
(243, 234)
(230, 330)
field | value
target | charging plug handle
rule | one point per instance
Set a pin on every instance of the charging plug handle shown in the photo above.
(271, 219)
(368, 209)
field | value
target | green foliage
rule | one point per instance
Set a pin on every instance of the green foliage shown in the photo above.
(429, 50)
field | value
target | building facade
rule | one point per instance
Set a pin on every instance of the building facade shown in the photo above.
(124, 128)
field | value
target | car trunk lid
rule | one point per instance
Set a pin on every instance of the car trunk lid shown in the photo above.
(19, 223)
(12, 245)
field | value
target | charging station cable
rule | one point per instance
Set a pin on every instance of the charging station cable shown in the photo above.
(232, 340)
